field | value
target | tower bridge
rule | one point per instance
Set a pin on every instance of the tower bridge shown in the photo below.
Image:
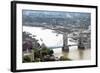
(64, 30)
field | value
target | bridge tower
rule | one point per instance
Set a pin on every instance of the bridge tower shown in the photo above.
(65, 47)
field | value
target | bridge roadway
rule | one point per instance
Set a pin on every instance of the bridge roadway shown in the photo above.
(61, 46)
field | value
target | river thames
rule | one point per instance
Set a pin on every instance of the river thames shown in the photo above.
(51, 39)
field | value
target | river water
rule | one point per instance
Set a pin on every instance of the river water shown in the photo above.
(73, 54)
(52, 39)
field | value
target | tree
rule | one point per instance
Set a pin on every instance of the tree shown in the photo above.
(29, 41)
